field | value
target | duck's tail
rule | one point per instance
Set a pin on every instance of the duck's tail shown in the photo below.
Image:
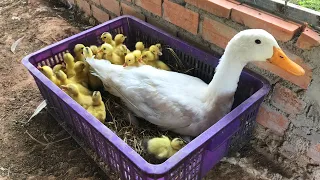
(100, 69)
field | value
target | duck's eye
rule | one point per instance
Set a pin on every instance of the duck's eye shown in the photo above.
(281, 57)
(257, 41)
(129, 60)
(103, 37)
(104, 49)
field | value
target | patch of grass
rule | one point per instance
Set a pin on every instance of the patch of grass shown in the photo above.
(311, 4)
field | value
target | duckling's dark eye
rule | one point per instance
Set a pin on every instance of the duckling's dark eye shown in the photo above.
(281, 57)
(104, 48)
(129, 60)
(257, 41)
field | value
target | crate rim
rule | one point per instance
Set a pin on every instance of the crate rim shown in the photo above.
(133, 156)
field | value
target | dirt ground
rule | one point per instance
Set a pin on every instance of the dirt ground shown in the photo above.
(41, 23)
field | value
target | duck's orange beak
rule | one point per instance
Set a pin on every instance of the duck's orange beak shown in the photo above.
(125, 65)
(140, 60)
(281, 60)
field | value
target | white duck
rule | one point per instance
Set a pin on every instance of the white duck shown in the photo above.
(185, 104)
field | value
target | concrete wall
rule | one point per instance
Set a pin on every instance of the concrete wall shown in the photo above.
(289, 117)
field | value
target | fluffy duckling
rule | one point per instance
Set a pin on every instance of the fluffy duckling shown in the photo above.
(159, 46)
(162, 147)
(119, 39)
(48, 72)
(94, 81)
(81, 76)
(107, 38)
(64, 81)
(94, 49)
(130, 60)
(105, 52)
(118, 54)
(156, 51)
(140, 46)
(78, 52)
(73, 91)
(149, 58)
(69, 60)
(58, 67)
(97, 109)
(162, 65)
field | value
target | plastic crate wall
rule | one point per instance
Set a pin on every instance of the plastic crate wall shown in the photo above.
(234, 129)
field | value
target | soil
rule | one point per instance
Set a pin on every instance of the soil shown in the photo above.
(41, 149)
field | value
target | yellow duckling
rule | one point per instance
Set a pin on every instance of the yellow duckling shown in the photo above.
(159, 46)
(137, 54)
(162, 65)
(78, 52)
(48, 72)
(97, 109)
(81, 76)
(131, 60)
(140, 46)
(156, 51)
(58, 67)
(107, 38)
(72, 90)
(119, 39)
(118, 54)
(105, 52)
(94, 81)
(64, 81)
(149, 58)
(69, 60)
(163, 148)
(94, 49)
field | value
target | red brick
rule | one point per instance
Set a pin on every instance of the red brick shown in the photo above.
(221, 8)
(85, 6)
(100, 15)
(308, 39)
(128, 10)
(286, 100)
(111, 5)
(280, 29)
(273, 120)
(314, 153)
(301, 81)
(153, 6)
(217, 32)
(181, 16)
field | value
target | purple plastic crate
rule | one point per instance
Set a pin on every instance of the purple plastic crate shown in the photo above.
(196, 158)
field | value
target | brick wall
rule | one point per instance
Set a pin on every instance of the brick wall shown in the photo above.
(291, 110)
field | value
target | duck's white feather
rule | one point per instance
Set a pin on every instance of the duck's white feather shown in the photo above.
(163, 98)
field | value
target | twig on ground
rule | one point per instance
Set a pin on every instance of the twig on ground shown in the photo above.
(46, 144)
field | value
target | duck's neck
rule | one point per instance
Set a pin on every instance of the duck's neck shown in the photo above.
(226, 78)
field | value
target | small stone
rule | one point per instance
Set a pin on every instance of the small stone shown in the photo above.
(73, 170)
(92, 22)
(72, 153)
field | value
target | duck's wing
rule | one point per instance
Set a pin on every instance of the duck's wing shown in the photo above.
(164, 98)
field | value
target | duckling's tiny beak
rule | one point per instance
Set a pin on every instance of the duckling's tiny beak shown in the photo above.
(281, 60)
(125, 65)
(160, 53)
(64, 88)
(140, 60)
(39, 67)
